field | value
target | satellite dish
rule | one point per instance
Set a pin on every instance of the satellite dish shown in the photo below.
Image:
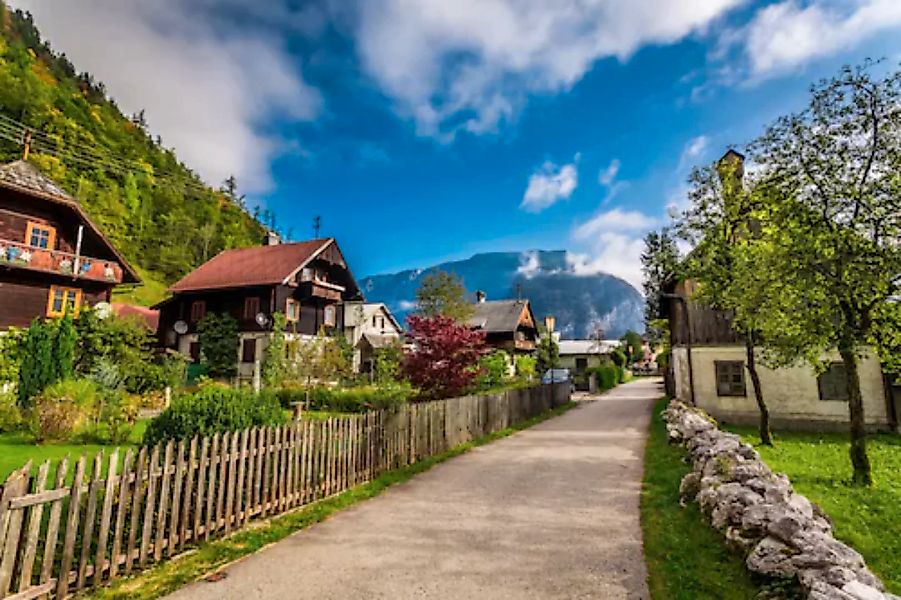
(103, 310)
(261, 319)
(180, 327)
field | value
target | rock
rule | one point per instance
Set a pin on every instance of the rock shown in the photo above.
(772, 558)
(736, 538)
(690, 486)
(823, 591)
(817, 550)
(785, 527)
(801, 504)
(861, 591)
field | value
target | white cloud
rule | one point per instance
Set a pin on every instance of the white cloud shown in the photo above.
(784, 36)
(406, 305)
(208, 93)
(693, 150)
(609, 173)
(616, 220)
(549, 184)
(529, 264)
(613, 253)
(470, 64)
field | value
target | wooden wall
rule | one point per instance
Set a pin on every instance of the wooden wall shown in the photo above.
(704, 326)
(24, 296)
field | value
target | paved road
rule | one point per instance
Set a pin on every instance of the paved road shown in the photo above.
(551, 512)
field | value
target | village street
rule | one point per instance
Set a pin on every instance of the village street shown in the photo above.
(550, 512)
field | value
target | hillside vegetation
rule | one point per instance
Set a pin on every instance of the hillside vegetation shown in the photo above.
(155, 209)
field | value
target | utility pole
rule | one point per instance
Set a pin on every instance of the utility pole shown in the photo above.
(317, 225)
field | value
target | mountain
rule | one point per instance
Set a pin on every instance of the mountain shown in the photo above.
(581, 303)
(159, 213)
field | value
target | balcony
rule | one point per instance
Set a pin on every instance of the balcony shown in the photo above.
(316, 288)
(23, 256)
(527, 345)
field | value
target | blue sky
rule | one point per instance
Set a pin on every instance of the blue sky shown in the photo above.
(426, 130)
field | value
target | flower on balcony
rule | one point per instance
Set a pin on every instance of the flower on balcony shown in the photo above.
(108, 272)
(13, 253)
(85, 267)
(25, 257)
(3, 251)
(65, 266)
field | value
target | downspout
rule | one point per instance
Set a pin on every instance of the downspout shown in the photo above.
(76, 266)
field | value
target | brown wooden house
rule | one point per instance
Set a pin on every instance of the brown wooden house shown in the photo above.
(53, 258)
(508, 324)
(306, 281)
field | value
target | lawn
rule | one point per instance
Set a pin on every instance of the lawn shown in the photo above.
(869, 520)
(687, 558)
(17, 448)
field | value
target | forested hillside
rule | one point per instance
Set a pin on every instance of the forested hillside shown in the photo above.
(156, 210)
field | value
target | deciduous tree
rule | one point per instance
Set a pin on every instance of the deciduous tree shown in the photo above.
(444, 294)
(444, 358)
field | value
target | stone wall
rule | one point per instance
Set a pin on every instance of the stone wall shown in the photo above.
(782, 534)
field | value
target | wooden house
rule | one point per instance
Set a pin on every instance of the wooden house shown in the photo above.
(368, 327)
(53, 258)
(306, 281)
(509, 325)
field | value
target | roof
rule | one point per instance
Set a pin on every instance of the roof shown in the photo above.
(570, 347)
(148, 316)
(380, 341)
(498, 315)
(23, 177)
(244, 267)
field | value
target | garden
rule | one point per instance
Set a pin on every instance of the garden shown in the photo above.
(77, 385)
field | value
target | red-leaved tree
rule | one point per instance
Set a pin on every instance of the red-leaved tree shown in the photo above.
(444, 358)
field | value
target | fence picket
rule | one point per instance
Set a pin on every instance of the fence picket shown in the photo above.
(211, 487)
(175, 502)
(265, 490)
(239, 485)
(122, 509)
(220, 487)
(149, 505)
(89, 518)
(159, 541)
(230, 485)
(56, 511)
(33, 529)
(187, 500)
(106, 515)
(202, 467)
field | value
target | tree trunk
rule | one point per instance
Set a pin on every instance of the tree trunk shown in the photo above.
(766, 437)
(859, 459)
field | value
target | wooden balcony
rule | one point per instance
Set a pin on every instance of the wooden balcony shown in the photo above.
(324, 290)
(22, 256)
(527, 345)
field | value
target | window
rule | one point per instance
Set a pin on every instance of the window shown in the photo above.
(330, 316)
(383, 323)
(306, 274)
(61, 300)
(251, 307)
(249, 351)
(39, 235)
(292, 310)
(374, 321)
(730, 378)
(581, 364)
(832, 384)
(198, 310)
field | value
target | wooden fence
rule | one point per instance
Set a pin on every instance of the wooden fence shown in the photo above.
(82, 529)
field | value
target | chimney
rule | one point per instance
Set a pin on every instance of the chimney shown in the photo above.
(272, 239)
(480, 296)
(550, 322)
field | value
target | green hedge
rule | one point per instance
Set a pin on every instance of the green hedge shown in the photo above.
(608, 376)
(214, 409)
(357, 399)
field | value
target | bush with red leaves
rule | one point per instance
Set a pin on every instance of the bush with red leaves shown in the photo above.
(444, 358)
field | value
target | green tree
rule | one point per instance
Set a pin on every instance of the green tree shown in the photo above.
(633, 347)
(548, 355)
(38, 369)
(659, 263)
(442, 293)
(218, 336)
(831, 172)
(526, 367)
(388, 363)
(64, 348)
(725, 221)
(494, 369)
(275, 361)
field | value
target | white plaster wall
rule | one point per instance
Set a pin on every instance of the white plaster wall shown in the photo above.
(791, 393)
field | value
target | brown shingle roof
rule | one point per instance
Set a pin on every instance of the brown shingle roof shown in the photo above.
(242, 267)
(23, 177)
(498, 315)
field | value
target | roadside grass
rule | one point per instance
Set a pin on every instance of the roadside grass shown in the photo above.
(209, 557)
(868, 519)
(687, 559)
(16, 449)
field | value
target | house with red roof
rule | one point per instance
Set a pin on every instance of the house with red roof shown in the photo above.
(53, 258)
(308, 282)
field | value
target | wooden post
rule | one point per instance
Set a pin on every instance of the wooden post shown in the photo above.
(106, 515)
(33, 529)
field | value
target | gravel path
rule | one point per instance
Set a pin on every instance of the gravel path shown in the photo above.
(550, 512)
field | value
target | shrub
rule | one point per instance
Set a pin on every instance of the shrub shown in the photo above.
(63, 408)
(493, 368)
(358, 399)
(444, 356)
(118, 416)
(10, 417)
(607, 375)
(526, 367)
(618, 357)
(214, 409)
(218, 335)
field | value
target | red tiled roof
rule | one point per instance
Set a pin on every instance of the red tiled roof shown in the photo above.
(149, 316)
(242, 267)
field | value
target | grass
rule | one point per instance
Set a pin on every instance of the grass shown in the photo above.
(868, 519)
(17, 448)
(208, 557)
(686, 557)
(150, 291)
